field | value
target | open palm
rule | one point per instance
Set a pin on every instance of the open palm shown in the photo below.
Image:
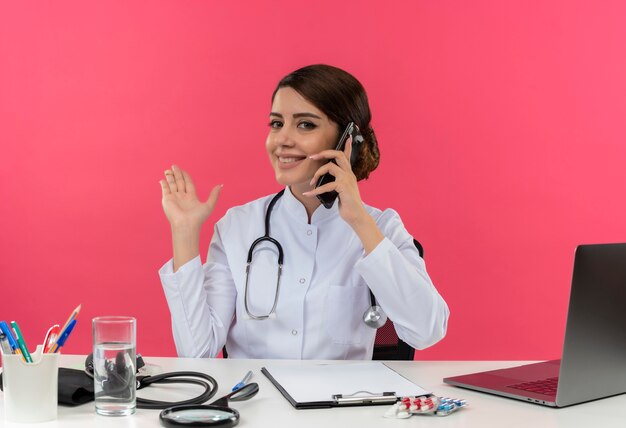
(180, 202)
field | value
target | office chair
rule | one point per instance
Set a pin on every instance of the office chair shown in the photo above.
(387, 344)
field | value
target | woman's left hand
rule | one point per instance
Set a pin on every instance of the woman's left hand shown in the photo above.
(351, 206)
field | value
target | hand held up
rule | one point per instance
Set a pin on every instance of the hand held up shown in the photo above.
(185, 213)
(181, 205)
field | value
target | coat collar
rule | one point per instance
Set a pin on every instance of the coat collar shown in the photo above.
(295, 208)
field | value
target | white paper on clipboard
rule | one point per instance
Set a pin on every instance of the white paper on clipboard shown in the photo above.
(308, 383)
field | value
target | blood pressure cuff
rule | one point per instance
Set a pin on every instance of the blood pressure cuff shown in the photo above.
(75, 387)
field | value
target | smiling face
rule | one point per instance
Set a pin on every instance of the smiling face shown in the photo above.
(298, 130)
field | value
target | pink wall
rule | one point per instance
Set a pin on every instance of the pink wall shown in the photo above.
(501, 124)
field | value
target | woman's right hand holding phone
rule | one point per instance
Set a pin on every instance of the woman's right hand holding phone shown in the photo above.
(185, 213)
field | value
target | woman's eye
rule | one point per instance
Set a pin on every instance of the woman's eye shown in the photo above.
(275, 124)
(307, 125)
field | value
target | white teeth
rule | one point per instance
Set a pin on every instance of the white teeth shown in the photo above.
(289, 160)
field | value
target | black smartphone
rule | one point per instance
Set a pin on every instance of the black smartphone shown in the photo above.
(328, 199)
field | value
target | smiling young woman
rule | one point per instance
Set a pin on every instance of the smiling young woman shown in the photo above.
(301, 290)
(298, 130)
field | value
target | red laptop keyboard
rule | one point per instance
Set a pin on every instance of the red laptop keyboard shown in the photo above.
(544, 386)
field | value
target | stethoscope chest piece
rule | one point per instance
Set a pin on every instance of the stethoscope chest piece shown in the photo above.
(374, 317)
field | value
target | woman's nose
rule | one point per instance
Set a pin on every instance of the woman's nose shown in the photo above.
(284, 137)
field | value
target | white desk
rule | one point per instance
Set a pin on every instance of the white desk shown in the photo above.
(270, 409)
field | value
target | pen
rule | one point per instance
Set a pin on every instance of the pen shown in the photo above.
(21, 343)
(73, 315)
(51, 336)
(4, 343)
(63, 337)
(7, 332)
(243, 382)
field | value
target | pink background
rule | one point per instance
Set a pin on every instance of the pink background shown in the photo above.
(501, 126)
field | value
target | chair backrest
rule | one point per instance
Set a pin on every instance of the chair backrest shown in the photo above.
(387, 345)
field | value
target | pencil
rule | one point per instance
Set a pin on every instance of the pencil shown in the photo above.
(72, 316)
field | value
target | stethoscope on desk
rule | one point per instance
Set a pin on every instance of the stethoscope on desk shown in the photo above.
(186, 413)
(215, 414)
(373, 317)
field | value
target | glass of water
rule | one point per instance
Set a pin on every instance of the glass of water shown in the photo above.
(115, 366)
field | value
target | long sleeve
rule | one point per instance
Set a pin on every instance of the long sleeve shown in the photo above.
(323, 287)
(397, 276)
(201, 300)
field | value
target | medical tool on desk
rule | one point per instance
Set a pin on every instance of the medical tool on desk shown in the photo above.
(118, 378)
(373, 317)
(215, 414)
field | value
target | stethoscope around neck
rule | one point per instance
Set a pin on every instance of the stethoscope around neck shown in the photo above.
(373, 317)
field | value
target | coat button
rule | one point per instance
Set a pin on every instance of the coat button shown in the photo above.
(294, 332)
(302, 280)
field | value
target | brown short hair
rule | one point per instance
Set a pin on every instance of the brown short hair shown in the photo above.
(343, 99)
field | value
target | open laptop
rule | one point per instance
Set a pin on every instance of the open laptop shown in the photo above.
(593, 363)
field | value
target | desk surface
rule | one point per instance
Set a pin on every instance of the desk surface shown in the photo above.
(270, 409)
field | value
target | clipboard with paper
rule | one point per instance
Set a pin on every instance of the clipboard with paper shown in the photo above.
(310, 386)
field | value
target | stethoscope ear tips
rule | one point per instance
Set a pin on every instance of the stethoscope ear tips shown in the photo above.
(374, 317)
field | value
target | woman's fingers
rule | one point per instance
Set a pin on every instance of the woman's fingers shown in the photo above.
(341, 157)
(337, 156)
(348, 150)
(178, 176)
(322, 189)
(215, 194)
(179, 184)
(165, 189)
(330, 167)
(171, 182)
(179, 180)
(189, 186)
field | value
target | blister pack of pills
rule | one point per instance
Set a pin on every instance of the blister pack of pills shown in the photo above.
(424, 405)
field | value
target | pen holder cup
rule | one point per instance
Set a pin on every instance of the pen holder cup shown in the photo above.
(30, 389)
